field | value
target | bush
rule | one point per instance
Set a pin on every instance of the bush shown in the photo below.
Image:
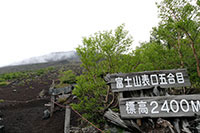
(1, 100)
(4, 83)
(13, 75)
(1, 80)
(67, 77)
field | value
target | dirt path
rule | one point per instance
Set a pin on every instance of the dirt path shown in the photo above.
(27, 118)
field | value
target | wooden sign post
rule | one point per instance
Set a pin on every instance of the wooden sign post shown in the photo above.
(55, 92)
(67, 119)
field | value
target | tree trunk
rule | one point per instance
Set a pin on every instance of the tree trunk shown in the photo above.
(179, 50)
(196, 57)
(194, 51)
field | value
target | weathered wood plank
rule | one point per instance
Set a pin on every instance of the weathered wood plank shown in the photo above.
(115, 119)
(178, 105)
(52, 105)
(67, 119)
(148, 79)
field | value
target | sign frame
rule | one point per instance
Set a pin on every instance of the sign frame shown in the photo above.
(172, 101)
(127, 80)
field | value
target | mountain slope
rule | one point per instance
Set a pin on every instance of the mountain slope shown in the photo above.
(52, 57)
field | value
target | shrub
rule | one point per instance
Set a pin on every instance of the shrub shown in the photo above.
(67, 77)
(1, 100)
(4, 83)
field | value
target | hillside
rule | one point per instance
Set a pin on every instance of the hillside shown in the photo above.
(49, 60)
(51, 57)
(21, 94)
(30, 67)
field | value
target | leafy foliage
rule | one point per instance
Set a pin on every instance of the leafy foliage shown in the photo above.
(180, 25)
(3, 83)
(153, 56)
(104, 52)
(6, 78)
(66, 77)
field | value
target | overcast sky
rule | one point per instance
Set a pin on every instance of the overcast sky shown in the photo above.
(36, 27)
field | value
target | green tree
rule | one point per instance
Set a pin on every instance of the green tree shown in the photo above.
(154, 56)
(104, 52)
(169, 36)
(183, 16)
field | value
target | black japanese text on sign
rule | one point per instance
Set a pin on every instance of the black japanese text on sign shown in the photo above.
(162, 106)
(148, 79)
